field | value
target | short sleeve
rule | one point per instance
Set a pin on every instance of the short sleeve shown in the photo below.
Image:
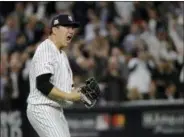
(44, 63)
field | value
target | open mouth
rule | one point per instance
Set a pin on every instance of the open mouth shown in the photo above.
(69, 38)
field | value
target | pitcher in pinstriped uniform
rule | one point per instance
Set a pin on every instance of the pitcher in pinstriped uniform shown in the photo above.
(51, 81)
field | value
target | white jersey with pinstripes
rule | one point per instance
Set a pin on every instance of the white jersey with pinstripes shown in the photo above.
(48, 59)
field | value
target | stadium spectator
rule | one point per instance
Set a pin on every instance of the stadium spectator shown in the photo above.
(9, 33)
(106, 43)
(114, 84)
(139, 79)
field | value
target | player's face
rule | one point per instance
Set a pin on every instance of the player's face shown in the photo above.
(64, 35)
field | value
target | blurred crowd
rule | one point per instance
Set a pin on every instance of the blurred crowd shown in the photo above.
(134, 49)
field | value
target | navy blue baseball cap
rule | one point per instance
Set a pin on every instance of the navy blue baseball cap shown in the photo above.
(64, 20)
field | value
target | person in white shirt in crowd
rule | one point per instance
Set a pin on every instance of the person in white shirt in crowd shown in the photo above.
(92, 24)
(139, 80)
(124, 9)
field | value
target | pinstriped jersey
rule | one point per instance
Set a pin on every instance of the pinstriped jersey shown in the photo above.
(48, 59)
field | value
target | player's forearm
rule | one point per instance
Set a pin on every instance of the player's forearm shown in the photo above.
(57, 95)
(48, 89)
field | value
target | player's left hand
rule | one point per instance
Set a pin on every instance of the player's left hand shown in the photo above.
(90, 92)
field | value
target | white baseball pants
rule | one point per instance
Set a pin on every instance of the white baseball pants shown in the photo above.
(48, 121)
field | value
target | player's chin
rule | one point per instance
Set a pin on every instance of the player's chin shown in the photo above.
(68, 43)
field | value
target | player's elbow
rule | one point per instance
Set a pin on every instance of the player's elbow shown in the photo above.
(43, 84)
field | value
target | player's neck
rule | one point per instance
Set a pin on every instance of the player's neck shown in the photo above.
(58, 46)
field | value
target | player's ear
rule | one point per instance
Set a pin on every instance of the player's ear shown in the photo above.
(54, 30)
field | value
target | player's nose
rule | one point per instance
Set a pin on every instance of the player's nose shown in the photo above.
(71, 29)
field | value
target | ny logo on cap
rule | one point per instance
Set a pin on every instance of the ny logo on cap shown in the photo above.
(56, 22)
(70, 18)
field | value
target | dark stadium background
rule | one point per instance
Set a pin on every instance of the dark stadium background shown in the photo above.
(120, 44)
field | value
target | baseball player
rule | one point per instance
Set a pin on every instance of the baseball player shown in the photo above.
(51, 82)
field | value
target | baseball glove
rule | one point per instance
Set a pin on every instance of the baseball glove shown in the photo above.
(90, 92)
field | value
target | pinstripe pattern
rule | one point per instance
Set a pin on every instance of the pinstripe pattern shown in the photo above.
(48, 59)
(49, 121)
